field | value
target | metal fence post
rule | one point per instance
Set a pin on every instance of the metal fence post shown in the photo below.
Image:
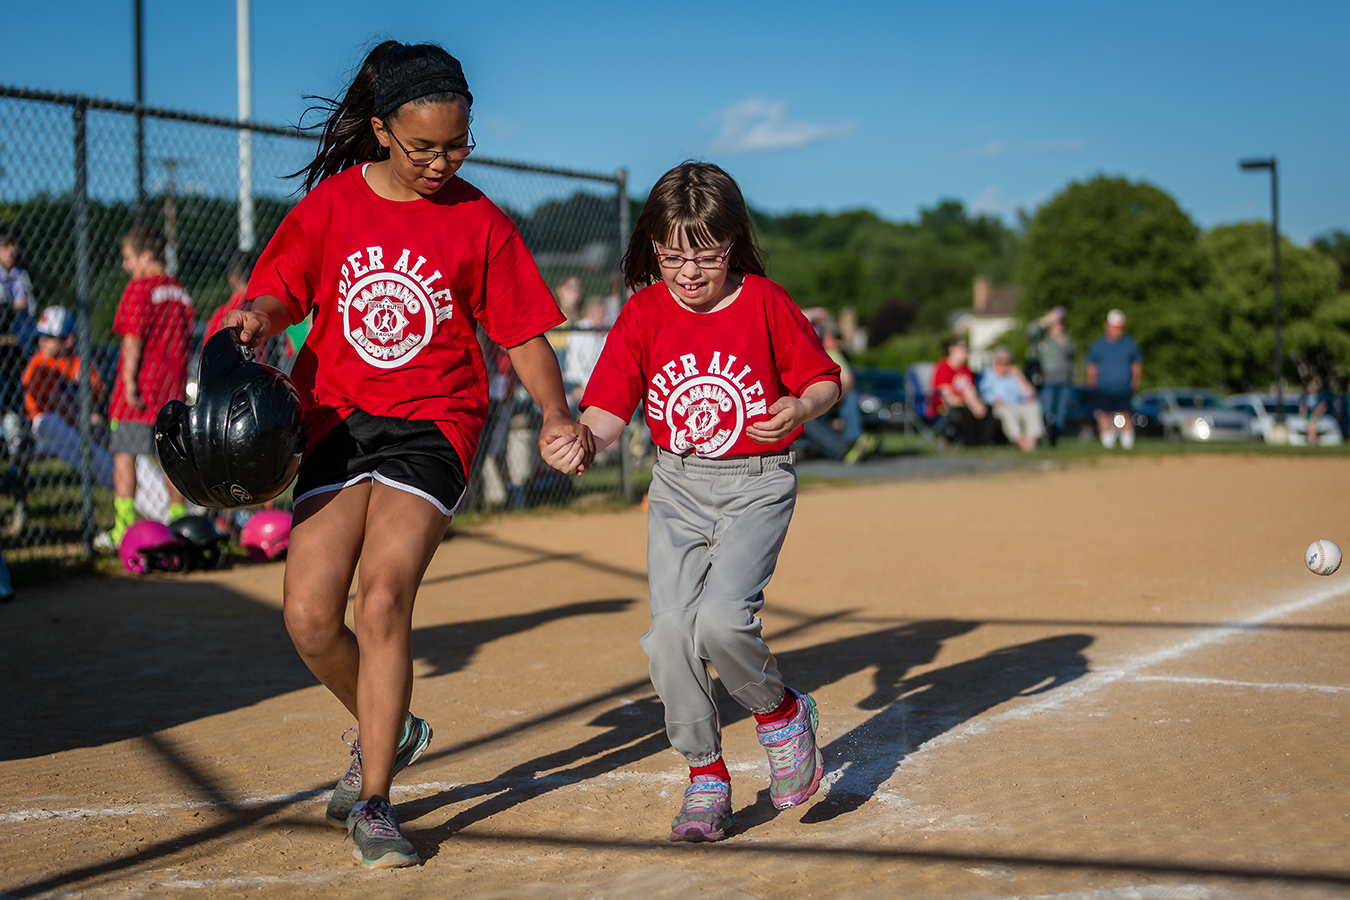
(84, 345)
(625, 438)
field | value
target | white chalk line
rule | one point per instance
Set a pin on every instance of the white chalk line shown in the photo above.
(1258, 685)
(1097, 679)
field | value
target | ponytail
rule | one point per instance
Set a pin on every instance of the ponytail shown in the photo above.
(391, 75)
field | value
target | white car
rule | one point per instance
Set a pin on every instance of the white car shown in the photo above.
(1190, 414)
(1262, 409)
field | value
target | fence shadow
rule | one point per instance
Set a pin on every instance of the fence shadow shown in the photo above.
(910, 711)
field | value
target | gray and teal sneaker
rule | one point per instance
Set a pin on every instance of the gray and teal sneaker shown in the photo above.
(416, 737)
(795, 763)
(706, 812)
(377, 841)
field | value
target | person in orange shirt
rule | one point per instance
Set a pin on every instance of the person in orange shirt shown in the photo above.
(51, 398)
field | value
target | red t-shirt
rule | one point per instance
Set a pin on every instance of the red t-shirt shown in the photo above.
(943, 373)
(158, 310)
(396, 289)
(705, 376)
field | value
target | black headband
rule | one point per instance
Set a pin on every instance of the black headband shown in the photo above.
(419, 78)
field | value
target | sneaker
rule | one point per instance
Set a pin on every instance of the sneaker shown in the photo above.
(377, 841)
(104, 543)
(416, 737)
(706, 813)
(795, 764)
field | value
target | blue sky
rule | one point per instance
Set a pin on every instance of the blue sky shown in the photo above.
(812, 106)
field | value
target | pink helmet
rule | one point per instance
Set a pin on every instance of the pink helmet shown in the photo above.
(266, 534)
(149, 545)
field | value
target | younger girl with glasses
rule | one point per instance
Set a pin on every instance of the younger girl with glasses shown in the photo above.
(398, 260)
(727, 369)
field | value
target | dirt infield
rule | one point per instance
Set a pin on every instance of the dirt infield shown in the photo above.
(1110, 680)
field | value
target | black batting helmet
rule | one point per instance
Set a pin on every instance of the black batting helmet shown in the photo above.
(240, 443)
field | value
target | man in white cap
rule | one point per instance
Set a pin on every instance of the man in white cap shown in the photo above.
(1114, 367)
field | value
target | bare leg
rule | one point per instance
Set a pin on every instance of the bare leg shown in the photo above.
(325, 543)
(402, 532)
(124, 475)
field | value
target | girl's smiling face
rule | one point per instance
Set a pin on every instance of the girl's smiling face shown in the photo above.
(436, 126)
(697, 288)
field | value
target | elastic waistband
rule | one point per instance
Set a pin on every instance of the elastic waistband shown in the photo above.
(733, 465)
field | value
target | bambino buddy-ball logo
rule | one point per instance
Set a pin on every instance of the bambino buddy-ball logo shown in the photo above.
(705, 407)
(388, 315)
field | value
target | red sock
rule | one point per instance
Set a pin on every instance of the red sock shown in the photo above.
(717, 768)
(785, 710)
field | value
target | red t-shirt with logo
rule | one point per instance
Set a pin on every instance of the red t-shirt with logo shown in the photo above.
(943, 373)
(158, 310)
(704, 377)
(397, 289)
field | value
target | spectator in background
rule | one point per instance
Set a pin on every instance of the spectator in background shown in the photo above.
(154, 322)
(16, 306)
(1311, 406)
(568, 294)
(51, 386)
(1013, 400)
(848, 443)
(583, 349)
(953, 393)
(1053, 352)
(1114, 368)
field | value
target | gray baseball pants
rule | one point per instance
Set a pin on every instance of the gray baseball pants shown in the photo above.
(714, 529)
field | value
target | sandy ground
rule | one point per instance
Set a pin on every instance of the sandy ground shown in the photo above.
(1109, 680)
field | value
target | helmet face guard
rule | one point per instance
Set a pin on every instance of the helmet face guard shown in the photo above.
(241, 443)
(204, 544)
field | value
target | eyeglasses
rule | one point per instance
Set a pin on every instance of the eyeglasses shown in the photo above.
(674, 261)
(422, 158)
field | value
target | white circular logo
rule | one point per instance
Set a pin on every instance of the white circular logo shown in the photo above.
(705, 414)
(388, 318)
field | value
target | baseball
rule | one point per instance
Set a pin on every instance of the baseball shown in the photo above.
(1323, 557)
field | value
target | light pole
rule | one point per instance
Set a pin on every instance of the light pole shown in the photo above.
(1248, 165)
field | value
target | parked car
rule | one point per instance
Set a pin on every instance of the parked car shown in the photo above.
(881, 396)
(1262, 409)
(1190, 414)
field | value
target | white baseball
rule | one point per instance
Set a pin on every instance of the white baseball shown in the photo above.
(1323, 557)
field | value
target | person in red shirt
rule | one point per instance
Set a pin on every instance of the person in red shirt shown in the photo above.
(154, 322)
(727, 369)
(954, 393)
(400, 260)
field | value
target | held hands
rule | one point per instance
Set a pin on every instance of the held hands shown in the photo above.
(566, 445)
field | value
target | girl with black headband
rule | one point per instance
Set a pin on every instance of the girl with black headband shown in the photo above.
(398, 260)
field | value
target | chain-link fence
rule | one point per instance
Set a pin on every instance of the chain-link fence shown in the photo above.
(77, 175)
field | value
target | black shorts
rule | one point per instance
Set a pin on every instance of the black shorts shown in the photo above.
(1110, 403)
(412, 456)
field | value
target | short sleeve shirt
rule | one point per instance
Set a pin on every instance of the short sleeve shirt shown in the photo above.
(944, 374)
(396, 290)
(1114, 361)
(704, 377)
(158, 310)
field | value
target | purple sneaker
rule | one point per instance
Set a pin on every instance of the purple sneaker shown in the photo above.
(795, 764)
(706, 813)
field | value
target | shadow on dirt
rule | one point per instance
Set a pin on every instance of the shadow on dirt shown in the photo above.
(126, 658)
(910, 711)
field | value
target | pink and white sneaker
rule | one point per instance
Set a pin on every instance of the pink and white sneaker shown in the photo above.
(795, 763)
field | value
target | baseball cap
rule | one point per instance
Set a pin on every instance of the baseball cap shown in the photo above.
(56, 321)
(1115, 317)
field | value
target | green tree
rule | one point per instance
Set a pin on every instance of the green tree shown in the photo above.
(1239, 304)
(1109, 243)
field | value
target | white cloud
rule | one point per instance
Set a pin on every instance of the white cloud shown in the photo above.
(757, 124)
(988, 203)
